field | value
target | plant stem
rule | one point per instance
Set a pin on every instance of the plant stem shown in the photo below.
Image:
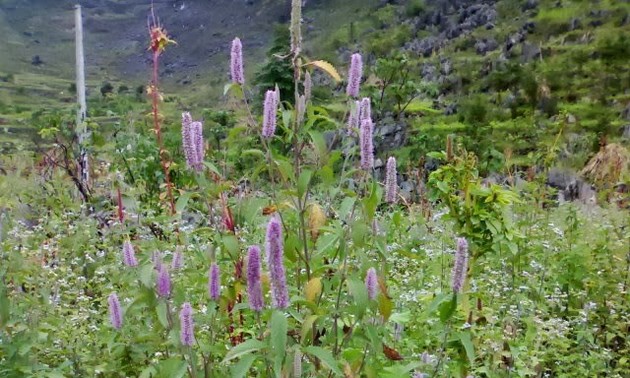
(158, 131)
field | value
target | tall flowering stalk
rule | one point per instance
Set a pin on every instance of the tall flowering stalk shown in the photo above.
(270, 110)
(236, 62)
(254, 286)
(296, 30)
(460, 267)
(115, 314)
(371, 283)
(275, 264)
(163, 284)
(129, 255)
(391, 184)
(186, 335)
(192, 142)
(158, 42)
(354, 75)
(214, 282)
(367, 145)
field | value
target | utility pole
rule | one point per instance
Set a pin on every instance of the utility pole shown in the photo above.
(81, 127)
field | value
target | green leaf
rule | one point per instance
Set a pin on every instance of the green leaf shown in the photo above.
(241, 369)
(182, 201)
(248, 346)
(303, 181)
(447, 309)
(174, 367)
(278, 325)
(307, 327)
(466, 340)
(231, 244)
(254, 152)
(359, 293)
(146, 275)
(234, 89)
(162, 314)
(148, 372)
(325, 357)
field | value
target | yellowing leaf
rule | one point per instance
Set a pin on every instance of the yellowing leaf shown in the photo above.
(326, 67)
(316, 220)
(385, 306)
(313, 289)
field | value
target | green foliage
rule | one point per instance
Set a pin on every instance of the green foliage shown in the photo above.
(277, 68)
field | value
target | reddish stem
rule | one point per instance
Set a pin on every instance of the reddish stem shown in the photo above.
(158, 131)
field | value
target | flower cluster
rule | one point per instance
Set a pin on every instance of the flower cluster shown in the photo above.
(192, 142)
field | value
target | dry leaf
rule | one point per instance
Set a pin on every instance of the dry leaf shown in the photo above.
(391, 353)
(316, 220)
(326, 67)
(313, 289)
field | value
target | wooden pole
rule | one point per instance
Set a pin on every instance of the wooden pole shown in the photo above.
(81, 127)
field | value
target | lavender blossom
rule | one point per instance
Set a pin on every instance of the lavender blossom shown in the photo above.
(197, 132)
(353, 118)
(214, 282)
(366, 109)
(129, 255)
(371, 283)
(254, 288)
(391, 185)
(354, 75)
(269, 114)
(236, 62)
(186, 336)
(366, 144)
(275, 264)
(163, 284)
(115, 315)
(458, 276)
(178, 259)
(192, 142)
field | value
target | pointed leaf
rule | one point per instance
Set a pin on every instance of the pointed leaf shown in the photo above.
(326, 67)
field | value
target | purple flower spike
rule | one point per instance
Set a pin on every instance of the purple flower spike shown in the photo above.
(163, 284)
(366, 109)
(366, 144)
(275, 264)
(115, 315)
(129, 255)
(186, 336)
(254, 287)
(214, 282)
(371, 283)
(269, 114)
(354, 75)
(460, 267)
(236, 62)
(178, 259)
(391, 185)
(192, 142)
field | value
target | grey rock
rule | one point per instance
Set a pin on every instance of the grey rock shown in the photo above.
(625, 113)
(530, 52)
(530, 4)
(575, 24)
(484, 46)
(450, 109)
(625, 133)
(36, 61)
(570, 186)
